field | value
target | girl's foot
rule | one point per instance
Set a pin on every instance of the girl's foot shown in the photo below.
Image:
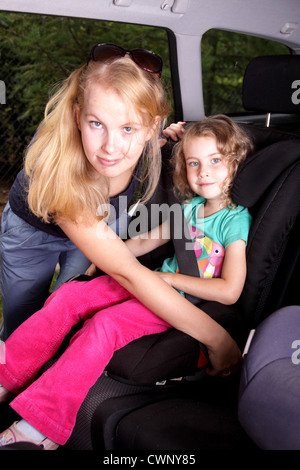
(13, 434)
(5, 395)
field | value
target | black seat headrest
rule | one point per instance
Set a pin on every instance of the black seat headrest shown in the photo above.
(256, 174)
(272, 84)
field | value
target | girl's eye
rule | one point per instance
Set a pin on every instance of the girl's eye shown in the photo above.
(193, 164)
(216, 160)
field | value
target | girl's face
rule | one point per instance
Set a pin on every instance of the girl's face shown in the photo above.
(113, 136)
(206, 168)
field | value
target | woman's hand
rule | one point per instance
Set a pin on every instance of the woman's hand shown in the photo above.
(175, 131)
(225, 356)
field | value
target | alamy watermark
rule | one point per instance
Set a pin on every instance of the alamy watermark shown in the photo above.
(296, 94)
(2, 92)
(296, 353)
(135, 221)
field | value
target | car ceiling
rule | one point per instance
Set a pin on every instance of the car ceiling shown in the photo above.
(184, 17)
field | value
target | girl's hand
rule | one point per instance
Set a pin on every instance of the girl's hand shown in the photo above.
(175, 131)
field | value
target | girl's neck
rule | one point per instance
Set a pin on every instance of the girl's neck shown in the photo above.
(212, 206)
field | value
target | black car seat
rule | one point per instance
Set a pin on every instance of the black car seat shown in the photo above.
(273, 261)
(268, 404)
(137, 413)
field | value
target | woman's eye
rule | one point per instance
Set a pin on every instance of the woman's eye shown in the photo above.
(96, 124)
(128, 130)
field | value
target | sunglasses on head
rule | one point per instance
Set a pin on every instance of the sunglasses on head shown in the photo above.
(146, 60)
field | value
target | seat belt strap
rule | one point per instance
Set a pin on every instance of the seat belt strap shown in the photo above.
(186, 258)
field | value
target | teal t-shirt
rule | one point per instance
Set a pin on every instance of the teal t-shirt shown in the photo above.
(210, 236)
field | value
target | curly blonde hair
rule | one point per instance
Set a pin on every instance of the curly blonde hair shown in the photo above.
(61, 179)
(232, 143)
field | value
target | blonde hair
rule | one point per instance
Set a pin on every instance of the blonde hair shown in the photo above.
(61, 179)
(232, 143)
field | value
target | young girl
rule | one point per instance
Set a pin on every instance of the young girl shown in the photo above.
(210, 151)
(205, 163)
(98, 140)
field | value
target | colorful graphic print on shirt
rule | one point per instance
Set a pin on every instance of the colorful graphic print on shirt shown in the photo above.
(209, 254)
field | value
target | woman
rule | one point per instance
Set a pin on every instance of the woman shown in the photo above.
(62, 180)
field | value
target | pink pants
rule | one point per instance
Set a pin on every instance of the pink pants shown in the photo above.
(112, 317)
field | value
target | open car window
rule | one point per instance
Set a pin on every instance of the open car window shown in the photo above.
(225, 56)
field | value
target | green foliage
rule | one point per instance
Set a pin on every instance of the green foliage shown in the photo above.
(37, 52)
(225, 56)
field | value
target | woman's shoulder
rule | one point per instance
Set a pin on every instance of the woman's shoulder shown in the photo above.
(20, 186)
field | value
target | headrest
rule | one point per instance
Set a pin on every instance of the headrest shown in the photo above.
(272, 84)
(257, 173)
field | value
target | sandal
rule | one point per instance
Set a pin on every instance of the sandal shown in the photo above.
(12, 435)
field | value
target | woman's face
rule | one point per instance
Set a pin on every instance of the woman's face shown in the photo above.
(113, 136)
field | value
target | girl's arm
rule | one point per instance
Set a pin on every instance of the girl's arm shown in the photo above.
(107, 251)
(226, 289)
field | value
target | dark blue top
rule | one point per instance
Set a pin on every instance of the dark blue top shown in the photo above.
(19, 205)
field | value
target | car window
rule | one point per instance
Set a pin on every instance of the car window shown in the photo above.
(36, 52)
(225, 56)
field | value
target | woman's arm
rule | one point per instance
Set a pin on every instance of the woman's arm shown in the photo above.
(142, 244)
(175, 131)
(226, 289)
(107, 251)
(147, 242)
